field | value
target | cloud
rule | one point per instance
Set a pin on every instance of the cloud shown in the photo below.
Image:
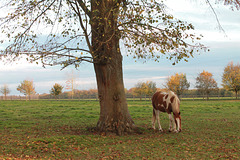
(202, 17)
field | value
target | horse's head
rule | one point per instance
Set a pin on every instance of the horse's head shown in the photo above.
(180, 123)
(177, 118)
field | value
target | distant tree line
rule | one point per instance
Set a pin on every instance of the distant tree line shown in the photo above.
(76, 94)
(205, 86)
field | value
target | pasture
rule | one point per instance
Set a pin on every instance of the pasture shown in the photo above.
(61, 130)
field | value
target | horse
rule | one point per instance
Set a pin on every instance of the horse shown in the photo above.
(166, 102)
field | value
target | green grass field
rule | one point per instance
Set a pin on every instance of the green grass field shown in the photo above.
(59, 130)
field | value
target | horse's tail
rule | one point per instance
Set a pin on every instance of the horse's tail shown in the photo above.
(154, 114)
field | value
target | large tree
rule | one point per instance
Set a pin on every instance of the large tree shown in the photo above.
(231, 78)
(69, 32)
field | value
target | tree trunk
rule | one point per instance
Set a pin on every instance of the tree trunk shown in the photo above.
(114, 114)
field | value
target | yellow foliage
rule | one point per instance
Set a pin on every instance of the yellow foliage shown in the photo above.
(177, 83)
(231, 77)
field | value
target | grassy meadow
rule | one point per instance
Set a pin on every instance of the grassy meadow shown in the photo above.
(60, 130)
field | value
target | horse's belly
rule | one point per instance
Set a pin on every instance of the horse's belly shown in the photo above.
(160, 108)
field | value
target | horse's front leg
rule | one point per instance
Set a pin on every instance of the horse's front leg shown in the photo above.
(172, 124)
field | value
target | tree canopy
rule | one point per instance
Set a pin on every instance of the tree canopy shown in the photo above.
(145, 27)
(177, 83)
(205, 83)
(56, 90)
(27, 88)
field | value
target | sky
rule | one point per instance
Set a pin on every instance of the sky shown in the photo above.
(224, 48)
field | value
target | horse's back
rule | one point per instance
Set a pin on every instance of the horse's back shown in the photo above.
(157, 96)
(165, 100)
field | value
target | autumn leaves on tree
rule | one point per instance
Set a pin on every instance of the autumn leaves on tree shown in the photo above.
(26, 87)
(177, 83)
(231, 78)
(56, 90)
(205, 83)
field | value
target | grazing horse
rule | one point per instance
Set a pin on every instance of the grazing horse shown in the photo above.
(166, 102)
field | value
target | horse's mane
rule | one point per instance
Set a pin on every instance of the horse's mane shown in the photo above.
(176, 101)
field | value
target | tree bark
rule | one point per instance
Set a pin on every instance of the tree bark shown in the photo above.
(114, 114)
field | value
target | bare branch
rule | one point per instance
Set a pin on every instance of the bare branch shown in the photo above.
(43, 12)
(216, 16)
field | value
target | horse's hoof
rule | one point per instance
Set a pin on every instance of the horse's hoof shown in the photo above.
(173, 131)
(160, 130)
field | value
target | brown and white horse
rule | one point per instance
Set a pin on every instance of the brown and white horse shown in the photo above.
(166, 102)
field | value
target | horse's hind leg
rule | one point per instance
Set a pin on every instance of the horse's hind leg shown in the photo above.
(158, 120)
(154, 119)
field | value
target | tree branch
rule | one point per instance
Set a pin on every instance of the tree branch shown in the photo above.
(84, 8)
(43, 12)
(219, 24)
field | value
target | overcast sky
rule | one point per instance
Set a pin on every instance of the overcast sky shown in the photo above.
(223, 49)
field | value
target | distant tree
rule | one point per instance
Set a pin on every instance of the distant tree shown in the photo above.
(26, 87)
(151, 88)
(177, 83)
(144, 89)
(140, 89)
(93, 93)
(205, 83)
(231, 78)
(71, 83)
(56, 90)
(5, 91)
(225, 93)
